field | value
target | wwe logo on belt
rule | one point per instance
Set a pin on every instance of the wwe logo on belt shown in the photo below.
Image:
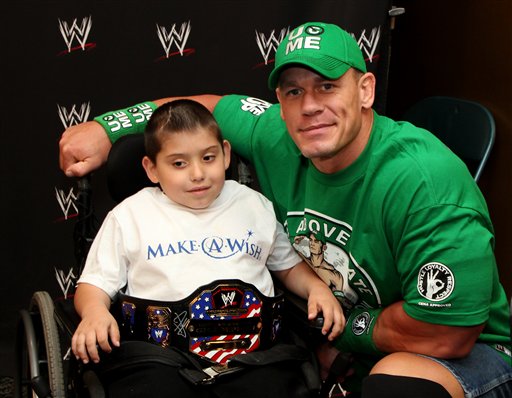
(270, 44)
(66, 202)
(228, 298)
(179, 38)
(369, 44)
(73, 31)
(74, 115)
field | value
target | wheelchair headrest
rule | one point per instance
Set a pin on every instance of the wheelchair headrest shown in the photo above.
(125, 174)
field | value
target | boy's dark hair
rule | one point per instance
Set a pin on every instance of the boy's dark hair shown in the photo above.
(177, 117)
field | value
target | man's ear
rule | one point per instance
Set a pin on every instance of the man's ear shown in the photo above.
(227, 153)
(149, 166)
(278, 95)
(367, 90)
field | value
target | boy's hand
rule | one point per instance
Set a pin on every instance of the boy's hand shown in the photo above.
(305, 283)
(322, 301)
(96, 328)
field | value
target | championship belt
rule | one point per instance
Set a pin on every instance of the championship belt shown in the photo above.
(216, 322)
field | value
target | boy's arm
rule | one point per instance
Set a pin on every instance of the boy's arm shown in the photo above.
(303, 281)
(85, 146)
(97, 325)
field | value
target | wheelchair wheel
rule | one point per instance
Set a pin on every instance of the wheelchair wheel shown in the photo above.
(39, 371)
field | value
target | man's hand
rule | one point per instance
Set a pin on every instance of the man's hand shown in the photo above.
(96, 328)
(83, 148)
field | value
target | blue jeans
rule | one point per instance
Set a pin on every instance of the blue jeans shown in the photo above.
(483, 373)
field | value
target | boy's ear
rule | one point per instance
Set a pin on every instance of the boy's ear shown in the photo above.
(227, 153)
(149, 166)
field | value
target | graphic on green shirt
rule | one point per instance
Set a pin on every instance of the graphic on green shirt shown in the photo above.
(321, 241)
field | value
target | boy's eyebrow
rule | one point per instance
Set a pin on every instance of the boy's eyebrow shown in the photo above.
(210, 148)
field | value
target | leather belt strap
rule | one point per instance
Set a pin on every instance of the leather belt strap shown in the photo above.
(217, 321)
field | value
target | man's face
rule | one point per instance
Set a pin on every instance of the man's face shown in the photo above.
(323, 117)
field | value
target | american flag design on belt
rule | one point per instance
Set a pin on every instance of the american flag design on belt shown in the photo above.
(216, 305)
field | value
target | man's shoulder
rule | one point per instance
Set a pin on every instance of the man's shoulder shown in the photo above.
(415, 150)
(245, 105)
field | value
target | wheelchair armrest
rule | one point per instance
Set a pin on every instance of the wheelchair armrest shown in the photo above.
(296, 317)
(66, 316)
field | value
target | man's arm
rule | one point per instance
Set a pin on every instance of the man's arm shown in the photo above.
(395, 331)
(85, 147)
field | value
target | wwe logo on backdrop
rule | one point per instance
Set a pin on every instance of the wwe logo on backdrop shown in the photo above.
(76, 31)
(369, 44)
(270, 44)
(66, 202)
(174, 37)
(74, 116)
(65, 281)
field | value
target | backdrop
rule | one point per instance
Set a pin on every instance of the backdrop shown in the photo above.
(65, 62)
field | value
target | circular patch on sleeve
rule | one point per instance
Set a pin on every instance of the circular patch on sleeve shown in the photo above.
(435, 281)
(360, 323)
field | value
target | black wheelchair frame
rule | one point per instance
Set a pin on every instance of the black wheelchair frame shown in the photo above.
(45, 367)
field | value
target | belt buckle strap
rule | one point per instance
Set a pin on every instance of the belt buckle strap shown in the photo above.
(215, 371)
(208, 375)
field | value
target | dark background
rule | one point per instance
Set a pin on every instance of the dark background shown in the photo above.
(460, 48)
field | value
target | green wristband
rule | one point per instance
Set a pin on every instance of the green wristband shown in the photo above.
(357, 337)
(122, 122)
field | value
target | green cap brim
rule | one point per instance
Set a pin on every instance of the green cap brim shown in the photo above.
(335, 71)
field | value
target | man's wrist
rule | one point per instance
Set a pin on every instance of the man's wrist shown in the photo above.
(358, 334)
(131, 120)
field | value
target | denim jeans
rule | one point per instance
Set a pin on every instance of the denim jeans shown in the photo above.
(483, 373)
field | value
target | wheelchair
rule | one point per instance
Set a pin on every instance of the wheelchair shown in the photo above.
(45, 365)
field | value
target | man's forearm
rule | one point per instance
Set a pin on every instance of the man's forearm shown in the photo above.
(395, 331)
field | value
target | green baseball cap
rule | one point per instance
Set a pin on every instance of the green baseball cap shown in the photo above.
(325, 48)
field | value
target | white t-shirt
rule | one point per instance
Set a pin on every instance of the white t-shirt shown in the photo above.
(163, 251)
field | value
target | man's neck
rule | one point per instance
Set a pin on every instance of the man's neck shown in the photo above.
(349, 154)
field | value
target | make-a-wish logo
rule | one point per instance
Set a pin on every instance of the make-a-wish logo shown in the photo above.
(74, 115)
(369, 43)
(268, 44)
(76, 32)
(66, 281)
(213, 246)
(174, 38)
(67, 203)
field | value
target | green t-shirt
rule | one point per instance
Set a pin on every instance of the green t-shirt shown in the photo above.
(405, 221)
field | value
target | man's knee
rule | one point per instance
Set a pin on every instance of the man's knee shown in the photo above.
(415, 366)
(387, 386)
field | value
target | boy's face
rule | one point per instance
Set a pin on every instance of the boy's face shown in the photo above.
(190, 167)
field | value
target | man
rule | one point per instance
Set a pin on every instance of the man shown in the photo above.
(405, 211)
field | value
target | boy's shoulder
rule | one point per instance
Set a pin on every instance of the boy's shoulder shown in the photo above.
(137, 198)
(235, 188)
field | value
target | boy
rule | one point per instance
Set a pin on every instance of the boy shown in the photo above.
(163, 243)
